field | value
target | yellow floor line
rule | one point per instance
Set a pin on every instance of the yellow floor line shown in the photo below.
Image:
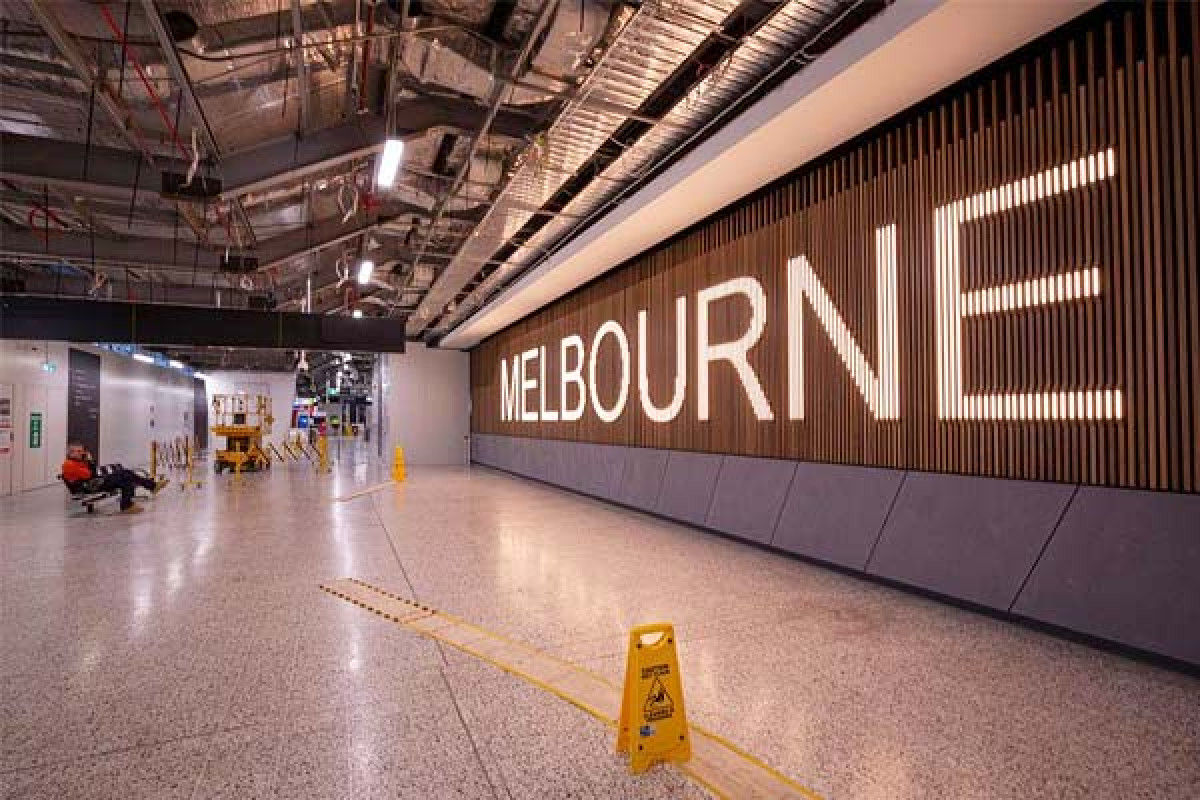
(720, 766)
(361, 492)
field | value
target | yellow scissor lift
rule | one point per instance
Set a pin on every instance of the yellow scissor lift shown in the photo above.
(243, 420)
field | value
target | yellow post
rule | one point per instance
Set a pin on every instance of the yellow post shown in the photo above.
(398, 471)
(189, 465)
(154, 460)
(323, 452)
(188, 451)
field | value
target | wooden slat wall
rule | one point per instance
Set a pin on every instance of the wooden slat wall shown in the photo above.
(1124, 77)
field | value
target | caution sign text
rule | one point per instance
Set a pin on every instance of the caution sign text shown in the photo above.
(653, 726)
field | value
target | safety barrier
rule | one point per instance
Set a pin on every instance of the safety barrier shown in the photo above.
(179, 454)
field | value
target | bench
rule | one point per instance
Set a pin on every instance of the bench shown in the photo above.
(85, 497)
(87, 494)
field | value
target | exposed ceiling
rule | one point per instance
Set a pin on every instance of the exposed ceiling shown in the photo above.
(224, 153)
(880, 69)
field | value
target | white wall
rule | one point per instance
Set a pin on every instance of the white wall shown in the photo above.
(138, 403)
(426, 404)
(279, 386)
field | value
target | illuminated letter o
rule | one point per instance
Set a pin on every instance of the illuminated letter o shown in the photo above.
(609, 414)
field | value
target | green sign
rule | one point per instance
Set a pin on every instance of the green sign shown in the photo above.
(35, 429)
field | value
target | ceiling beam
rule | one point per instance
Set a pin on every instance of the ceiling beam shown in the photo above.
(113, 172)
(102, 171)
(167, 253)
(79, 320)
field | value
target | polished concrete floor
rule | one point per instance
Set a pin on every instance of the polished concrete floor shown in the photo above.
(188, 653)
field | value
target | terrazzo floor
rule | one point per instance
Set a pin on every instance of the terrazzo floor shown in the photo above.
(187, 653)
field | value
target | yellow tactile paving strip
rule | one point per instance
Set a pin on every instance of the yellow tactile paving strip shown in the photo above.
(362, 492)
(718, 765)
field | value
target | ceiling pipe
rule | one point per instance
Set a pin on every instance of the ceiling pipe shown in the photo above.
(120, 115)
(547, 13)
(183, 81)
(302, 67)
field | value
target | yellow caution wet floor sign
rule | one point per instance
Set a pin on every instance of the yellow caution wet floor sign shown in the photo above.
(653, 726)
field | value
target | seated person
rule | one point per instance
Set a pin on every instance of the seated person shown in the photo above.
(80, 468)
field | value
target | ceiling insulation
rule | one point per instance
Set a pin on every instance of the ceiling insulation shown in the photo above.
(149, 147)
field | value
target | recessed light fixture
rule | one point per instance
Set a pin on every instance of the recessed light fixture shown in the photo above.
(357, 313)
(142, 357)
(365, 269)
(176, 364)
(389, 162)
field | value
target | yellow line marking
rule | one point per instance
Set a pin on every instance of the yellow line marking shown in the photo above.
(723, 768)
(361, 492)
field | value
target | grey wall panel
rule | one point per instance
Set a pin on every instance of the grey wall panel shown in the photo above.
(500, 452)
(643, 477)
(600, 469)
(835, 512)
(968, 537)
(510, 453)
(571, 465)
(479, 442)
(556, 456)
(515, 447)
(535, 458)
(496, 452)
(687, 487)
(1125, 566)
(748, 496)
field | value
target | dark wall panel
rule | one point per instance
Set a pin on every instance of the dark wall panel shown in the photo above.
(601, 467)
(200, 413)
(687, 486)
(968, 537)
(1125, 566)
(748, 496)
(643, 478)
(836, 513)
(83, 401)
(1061, 186)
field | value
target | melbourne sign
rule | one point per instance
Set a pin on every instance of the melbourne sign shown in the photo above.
(526, 395)
(1001, 281)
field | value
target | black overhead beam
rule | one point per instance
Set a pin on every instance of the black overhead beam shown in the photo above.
(71, 320)
(113, 172)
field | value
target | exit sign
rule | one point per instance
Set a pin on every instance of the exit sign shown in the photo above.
(35, 430)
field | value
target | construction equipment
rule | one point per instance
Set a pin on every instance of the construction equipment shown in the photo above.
(242, 420)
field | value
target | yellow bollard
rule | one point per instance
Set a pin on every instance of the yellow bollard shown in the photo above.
(154, 460)
(188, 451)
(323, 453)
(398, 471)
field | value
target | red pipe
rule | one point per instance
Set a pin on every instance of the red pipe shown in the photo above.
(162, 111)
(50, 215)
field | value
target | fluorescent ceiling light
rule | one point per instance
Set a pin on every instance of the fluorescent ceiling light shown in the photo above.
(357, 313)
(142, 357)
(365, 269)
(176, 364)
(389, 162)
